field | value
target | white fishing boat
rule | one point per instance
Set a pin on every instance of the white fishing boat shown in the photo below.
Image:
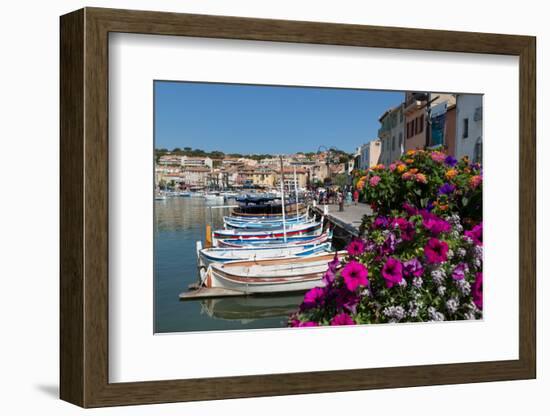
(207, 256)
(285, 232)
(263, 226)
(276, 242)
(268, 276)
(264, 220)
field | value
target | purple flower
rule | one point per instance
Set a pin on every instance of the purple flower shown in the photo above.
(459, 271)
(381, 222)
(344, 299)
(412, 268)
(406, 227)
(342, 319)
(435, 225)
(446, 189)
(355, 274)
(328, 277)
(409, 209)
(307, 323)
(392, 272)
(356, 247)
(476, 234)
(334, 263)
(389, 245)
(477, 290)
(450, 161)
(436, 251)
(313, 298)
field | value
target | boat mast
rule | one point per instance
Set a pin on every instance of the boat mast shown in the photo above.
(283, 198)
(296, 192)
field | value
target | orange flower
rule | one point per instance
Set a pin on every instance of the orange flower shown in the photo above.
(414, 170)
(411, 152)
(409, 161)
(407, 176)
(420, 177)
(401, 168)
(451, 173)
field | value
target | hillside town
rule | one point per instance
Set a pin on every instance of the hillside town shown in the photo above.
(422, 121)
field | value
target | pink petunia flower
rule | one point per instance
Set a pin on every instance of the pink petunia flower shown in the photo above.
(313, 297)
(435, 225)
(476, 234)
(342, 319)
(436, 251)
(392, 272)
(355, 274)
(477, 290)
(356, 247)
(406, 227)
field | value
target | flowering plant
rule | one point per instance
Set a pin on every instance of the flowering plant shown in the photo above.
(426, 179)
(412, 266)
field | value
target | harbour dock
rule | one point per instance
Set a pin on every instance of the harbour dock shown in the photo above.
(348, 220)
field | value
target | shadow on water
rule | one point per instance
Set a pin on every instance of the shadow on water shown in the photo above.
(180, 222)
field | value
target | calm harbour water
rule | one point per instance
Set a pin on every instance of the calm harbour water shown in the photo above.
(179, 223)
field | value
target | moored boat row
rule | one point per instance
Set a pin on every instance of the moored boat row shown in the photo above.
(267, 245)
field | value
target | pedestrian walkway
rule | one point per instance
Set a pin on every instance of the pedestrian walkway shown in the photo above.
(349, 219)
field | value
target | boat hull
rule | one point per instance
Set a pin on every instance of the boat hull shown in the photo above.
(223, 255)
(269, 276)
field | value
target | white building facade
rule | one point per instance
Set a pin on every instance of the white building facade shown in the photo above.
(469, 126)
(369, 154)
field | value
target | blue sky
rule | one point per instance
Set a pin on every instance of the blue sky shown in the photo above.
(236, 118)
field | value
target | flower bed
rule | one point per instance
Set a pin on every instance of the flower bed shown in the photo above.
(425, 179)
(413, 267)
(421, 256)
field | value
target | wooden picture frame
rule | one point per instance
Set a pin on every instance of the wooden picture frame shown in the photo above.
(84, 207)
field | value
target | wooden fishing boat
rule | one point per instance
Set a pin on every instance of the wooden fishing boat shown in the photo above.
(260, 225)
(291, 230)
(265, 220)
(269, 276)
(207, 256)
(276, 242)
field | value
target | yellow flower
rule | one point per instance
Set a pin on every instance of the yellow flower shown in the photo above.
(411, 152)
(451, 173)
(401, 168)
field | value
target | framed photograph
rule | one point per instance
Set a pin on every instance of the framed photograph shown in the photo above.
(255, 207)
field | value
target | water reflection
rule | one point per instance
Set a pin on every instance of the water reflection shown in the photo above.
(249, 308)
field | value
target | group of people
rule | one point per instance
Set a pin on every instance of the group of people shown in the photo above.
(342, 197)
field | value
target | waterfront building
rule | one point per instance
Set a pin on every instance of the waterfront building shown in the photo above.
(289, 183)
(469, 132)
(189, 161)
(415, 120)
(196, 176)
(170, 160)
(391, 134)
(368, 154)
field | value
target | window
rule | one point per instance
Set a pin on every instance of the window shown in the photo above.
(421, 127)
(393, 143)
(478, 151)
(400, 142)
(465, 126)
